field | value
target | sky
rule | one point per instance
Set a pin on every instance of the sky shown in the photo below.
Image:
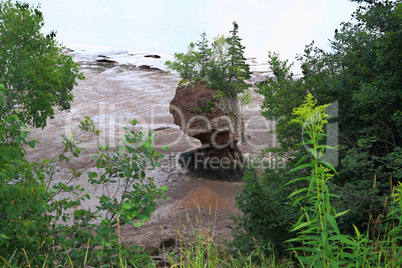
(282, 26)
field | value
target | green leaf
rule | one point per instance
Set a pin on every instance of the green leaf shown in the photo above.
(137, 224)
(78, 213)
(134, 214)
(302, 225)
(298, 200)
(92, 175)
(302, 159)
(330, 166)
(298, 191)
(307, 178)
(302, 166)
(147, 145)
(164, 188)
(3, 236)
(332, 222)
(45, 162)
(343, 239)
(324, 146)
(127, 205)
(340, 214)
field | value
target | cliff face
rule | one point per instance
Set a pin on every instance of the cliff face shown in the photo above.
(215, 121)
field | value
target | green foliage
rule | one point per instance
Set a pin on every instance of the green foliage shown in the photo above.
(245, 99)
(362, 75)
(210, 106)
(319, 242)
(218, 96)
(36, 75)
(319, 234)
(204, 55)
(394, 216)
(23, 196)
(263, 222)
(127, 167)
(41, 218)
(281, 94)
(185, 64)
(264, 195)
(263, 200)
(238, 71)
(221, 66)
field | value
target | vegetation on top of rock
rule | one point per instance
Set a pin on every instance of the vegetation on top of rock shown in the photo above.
(221, 66)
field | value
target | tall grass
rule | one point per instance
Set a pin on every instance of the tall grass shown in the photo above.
(197, 247)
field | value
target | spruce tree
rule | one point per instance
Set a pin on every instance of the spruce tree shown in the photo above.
(203, 55)
(238, 71)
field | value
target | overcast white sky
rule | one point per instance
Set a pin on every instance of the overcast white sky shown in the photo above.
(283, 26)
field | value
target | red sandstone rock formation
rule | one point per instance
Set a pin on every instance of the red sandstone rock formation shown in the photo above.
(216, 122)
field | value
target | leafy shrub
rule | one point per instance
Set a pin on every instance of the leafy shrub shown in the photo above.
(282, 93)
(36, 225)
(267, 216)
(24, 219)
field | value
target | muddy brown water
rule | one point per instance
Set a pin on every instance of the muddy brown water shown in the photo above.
(114, 94)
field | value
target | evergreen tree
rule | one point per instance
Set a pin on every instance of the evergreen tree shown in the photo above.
(237, 70)
(204, 55)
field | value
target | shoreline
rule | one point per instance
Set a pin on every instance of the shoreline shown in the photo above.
(145, 60)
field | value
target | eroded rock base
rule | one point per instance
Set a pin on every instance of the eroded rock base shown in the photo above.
(225, 164)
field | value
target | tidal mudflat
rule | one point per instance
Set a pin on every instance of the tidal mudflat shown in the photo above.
(119, 89)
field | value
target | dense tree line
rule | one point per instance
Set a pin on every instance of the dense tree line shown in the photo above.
(361, 77)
